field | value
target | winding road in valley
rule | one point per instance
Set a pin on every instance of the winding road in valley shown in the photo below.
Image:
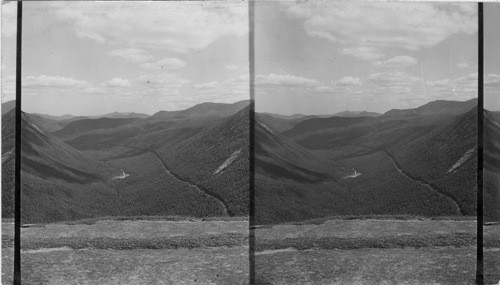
(432, 187)
(189, 183)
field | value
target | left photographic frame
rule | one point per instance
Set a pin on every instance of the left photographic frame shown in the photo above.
(134, 142)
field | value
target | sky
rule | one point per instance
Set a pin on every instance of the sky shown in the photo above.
(91, 58)
(319, 57)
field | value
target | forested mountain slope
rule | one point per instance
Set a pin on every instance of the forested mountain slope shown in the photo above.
(216, 159)
(58, 182)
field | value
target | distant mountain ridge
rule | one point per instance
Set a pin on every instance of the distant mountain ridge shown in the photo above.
(346, 113)
(199, 111)
(283, 123)
(120, 115)
(288, 117)
(439, 107)
(123, 115)
(204, 109)
(317, 124)
(85, 125)
(357, 114)
(59, 118)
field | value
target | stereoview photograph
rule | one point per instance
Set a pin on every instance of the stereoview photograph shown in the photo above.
(140, 164)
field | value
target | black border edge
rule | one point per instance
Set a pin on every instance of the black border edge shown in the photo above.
(480, 113)
(251, 54)
(17, 178)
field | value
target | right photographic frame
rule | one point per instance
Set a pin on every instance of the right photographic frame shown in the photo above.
(491, 143)
(366, 143)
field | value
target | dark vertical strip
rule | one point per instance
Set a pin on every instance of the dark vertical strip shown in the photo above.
(17, 182)
(480, 112)
(251, 54)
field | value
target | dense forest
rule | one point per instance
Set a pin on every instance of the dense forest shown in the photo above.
(414, 162)
(128, 166)
(196, 163)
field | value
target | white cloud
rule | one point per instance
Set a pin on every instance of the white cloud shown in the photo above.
(363, 53)
(231, 67)
(44, 81)
(471, 78)
(349, 81)
(462, 65)
(53, 85)
(230, 90)
(132, 54)
(436, 83)
(386, 79)
(96, 90)
(287, 84)
(165, 64)
(492, 80)
(391, 90)
(281, 80)
(457, 88)
(326, 89)
(211, 84)
(117, 82)
(397, 61)
(160, 82)
(411, 26)
(172, 25)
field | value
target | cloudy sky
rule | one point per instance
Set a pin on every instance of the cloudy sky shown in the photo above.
(89, 58)
(323, 57)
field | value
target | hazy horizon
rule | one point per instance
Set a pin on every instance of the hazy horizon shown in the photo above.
(325, 114)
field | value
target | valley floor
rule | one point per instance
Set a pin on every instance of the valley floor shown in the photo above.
(115, 251)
